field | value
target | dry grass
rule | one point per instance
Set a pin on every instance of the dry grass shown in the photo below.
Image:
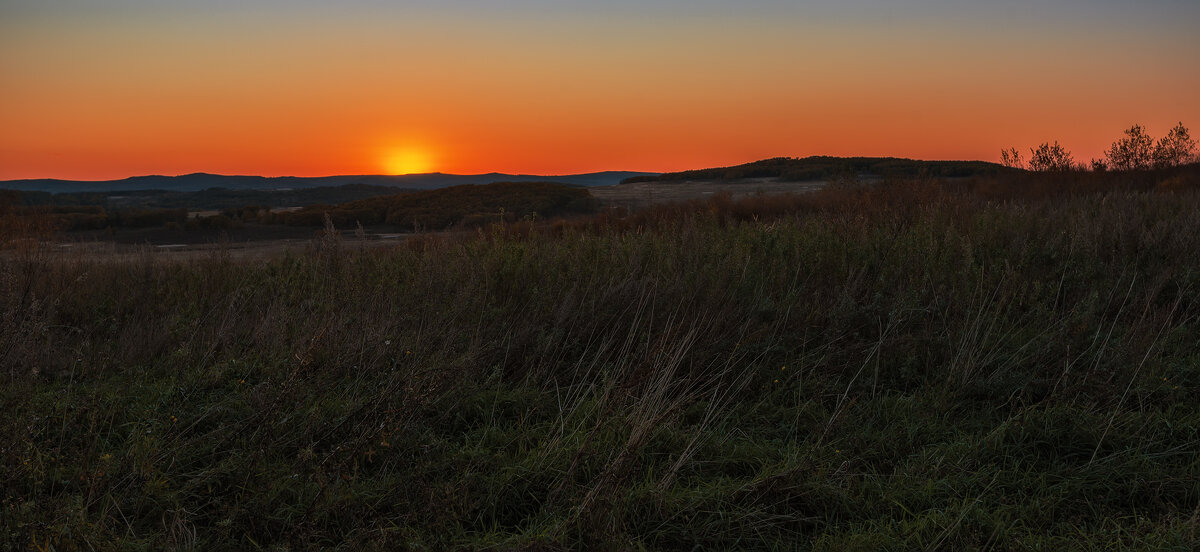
(908, 365)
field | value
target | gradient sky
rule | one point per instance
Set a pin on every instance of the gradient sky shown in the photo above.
(106, 89)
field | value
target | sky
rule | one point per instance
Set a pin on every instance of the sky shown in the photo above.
(108, 89)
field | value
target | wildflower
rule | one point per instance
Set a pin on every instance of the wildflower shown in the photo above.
(783, 368)
(408, 352)
(776, 381)
(174, 419)
(106, 457)
(241, 381)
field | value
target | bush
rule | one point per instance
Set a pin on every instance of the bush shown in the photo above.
(1050, 158)
(1174, 149)
(1134, 152)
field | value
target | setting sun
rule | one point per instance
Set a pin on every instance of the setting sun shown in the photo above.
(407, 161)
(556, 274)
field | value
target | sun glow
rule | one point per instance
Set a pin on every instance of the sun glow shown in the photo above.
(407, 161)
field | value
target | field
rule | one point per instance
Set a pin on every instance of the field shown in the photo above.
(1003, 362)
(254, 239)
(640, 195)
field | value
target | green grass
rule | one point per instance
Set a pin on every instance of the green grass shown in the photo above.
(961, 374)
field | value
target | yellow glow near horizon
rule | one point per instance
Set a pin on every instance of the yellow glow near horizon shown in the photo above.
(248, 87)
(407, 160)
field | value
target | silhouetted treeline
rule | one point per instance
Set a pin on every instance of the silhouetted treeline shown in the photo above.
(32, 198)
(465, 206)
(94, 217)
(826, 168)
(212, 198)
(468, 206)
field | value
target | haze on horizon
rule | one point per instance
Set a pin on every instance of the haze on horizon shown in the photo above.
(310, 88)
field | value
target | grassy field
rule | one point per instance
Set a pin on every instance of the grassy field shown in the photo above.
(1002, 364)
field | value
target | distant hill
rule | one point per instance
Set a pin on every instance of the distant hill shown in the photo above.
(825, 168)
(203, 181)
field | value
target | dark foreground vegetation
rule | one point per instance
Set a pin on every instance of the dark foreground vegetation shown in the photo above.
(985, 363)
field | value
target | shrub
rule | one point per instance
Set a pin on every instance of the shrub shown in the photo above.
(1133, 152)
(1174, 149)
(1011, 158)
(1050, 158)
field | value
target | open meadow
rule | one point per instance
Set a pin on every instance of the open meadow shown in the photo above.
(996, 362)
(652, 275)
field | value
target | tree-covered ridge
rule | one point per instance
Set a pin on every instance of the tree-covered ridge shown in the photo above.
(442, 208)
(210, 198)
(826, 167)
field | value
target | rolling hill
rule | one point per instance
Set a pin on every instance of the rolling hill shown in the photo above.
(825, 167)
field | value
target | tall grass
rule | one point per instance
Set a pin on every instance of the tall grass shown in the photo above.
(909, 366)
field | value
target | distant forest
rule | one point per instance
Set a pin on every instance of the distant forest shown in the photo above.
(467, 205)
(348, 206)
(793, 169)
(209, 199)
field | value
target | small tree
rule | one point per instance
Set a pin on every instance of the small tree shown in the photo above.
(1175, 148)
(1049, 157)
(1011, 158)
(1134, 152)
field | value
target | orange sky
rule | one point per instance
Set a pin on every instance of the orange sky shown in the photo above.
(369, 89)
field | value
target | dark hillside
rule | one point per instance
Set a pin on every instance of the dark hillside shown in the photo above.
(825, 167)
